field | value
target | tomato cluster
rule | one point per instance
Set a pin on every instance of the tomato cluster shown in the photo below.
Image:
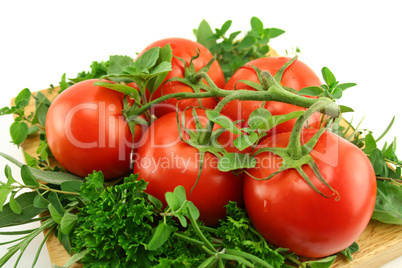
(86, 131)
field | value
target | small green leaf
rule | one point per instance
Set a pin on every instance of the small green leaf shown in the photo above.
(127, 90)
(244, 141)
(345, 109)
(247, 42)
(23, 98)
(345, 86)
(147, 60)
(55, 215)
(14, 205)
(4, 192)
(42, 105)
(377, 161)
(9, 176)
(388, 206)
(311, 91)
(117, 64)
(9, 218)
(172, 200)
(19, 132)
(235, 161)
(180, 192)
(223, 121)
(258, 118)
(321, 263)
(275, 32)
(337, 93)
(328, 76)
(160, 236)
(40, 201)
(55, 202)
(67, 222)
(256, 24)
(32, 130)
(71, 186)
(203, 34)
(225, 27)
(193, 210)
(155, 201)
(370, 144)
(27, 177)
(350, 250)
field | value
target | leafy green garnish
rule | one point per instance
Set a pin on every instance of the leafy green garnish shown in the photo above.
(231, 52)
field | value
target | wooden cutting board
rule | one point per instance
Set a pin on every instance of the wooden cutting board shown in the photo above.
(379, 243)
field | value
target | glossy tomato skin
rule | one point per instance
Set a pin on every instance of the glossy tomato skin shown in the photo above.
(290, 214)
(297, 76)
(165, 162)
(184, 49)
(86, 130)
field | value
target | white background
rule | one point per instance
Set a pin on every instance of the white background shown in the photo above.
(360, 41)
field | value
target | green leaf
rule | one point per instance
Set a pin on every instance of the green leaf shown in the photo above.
(328, 76)
(247, 42)
(345, 86)
(275, 32)
(244, 141)
(67, 223)
(71, 186)
(73, 259)
(350, 250)
(40, 201)
(160, 236)
(9, 218)
(388, 206)
(203, 34)
(235, 161)
(172, 200)
(258, 117)
(18, 132)
(23, 98)
(147, 59)
(32, 130)
(63, 83)
(42, 105)
(321, 263)
(377, 160)
(4, 192)
(180, 192)
(345, 109)
(117, 65)
(193, 210)
(370, 144)
(275, 120)
(123, 88)
(14, 205)
(225, 27)
(55, 215)
(155, 201)
(337, 93)
(27, 177)
(9, 176)
(46, 176)
(56, 204)
(256, 24)
(311, 91)
(223, 121)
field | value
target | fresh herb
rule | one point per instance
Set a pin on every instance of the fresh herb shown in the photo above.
(231, 52)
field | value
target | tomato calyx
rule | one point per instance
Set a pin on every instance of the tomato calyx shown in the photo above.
(195, 139)
(295, 155)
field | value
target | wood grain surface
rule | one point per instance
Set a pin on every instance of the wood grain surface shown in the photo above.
(379, 243)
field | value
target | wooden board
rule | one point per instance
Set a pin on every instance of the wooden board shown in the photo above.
(379, 243)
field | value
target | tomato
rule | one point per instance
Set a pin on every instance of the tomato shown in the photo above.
(87, 131)
(290, 214)
(297, 76)
(185, 49)
(165, 161)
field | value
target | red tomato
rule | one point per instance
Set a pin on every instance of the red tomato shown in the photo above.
(86, 130)
(165, 161)
(297, 76)
(290, 214)
(185, 49)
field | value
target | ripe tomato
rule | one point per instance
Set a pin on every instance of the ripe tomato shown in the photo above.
(290, 214)
(86, 130)
(297, 76)
(165, 161)
(185, 49)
